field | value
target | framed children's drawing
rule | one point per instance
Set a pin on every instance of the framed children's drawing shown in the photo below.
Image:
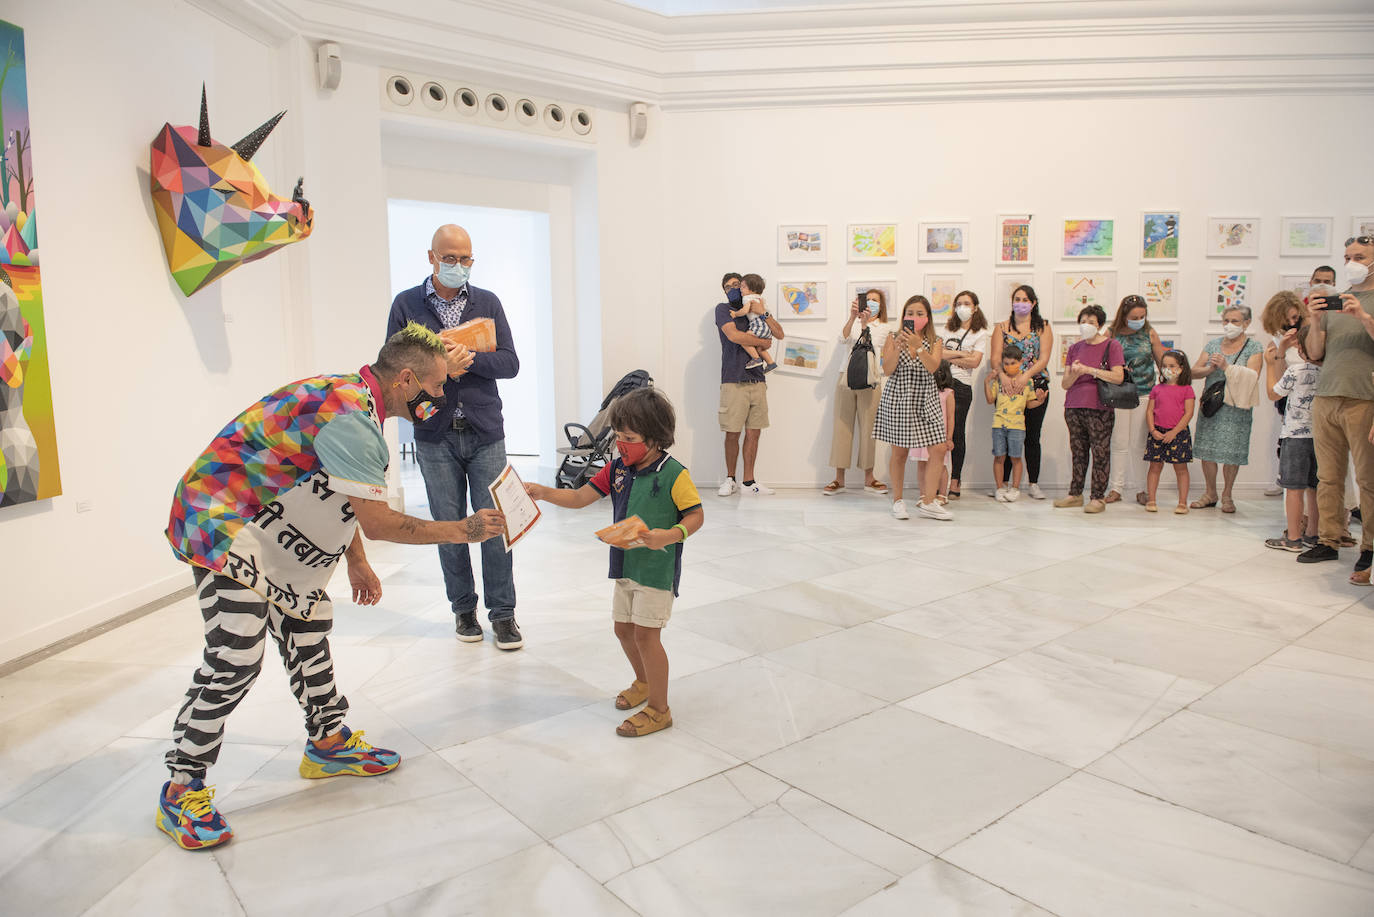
(803, 243)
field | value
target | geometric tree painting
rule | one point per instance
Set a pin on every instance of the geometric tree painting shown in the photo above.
(28, 435)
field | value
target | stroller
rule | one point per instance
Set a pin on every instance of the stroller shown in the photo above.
(589, 447)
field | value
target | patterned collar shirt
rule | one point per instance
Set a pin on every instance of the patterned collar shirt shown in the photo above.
(448, 311)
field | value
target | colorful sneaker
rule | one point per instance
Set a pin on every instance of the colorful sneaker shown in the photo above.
(351, 758)
(190, 818)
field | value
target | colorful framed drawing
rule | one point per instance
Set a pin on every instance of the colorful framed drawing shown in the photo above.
(872, 241)
(802, 299)
(1159, 235)
(888, 288)
(1075, 290)
(1168, 338)
(1160, 289)
(1305, 237)
(1089, 238)
(1296, 283)
(1230, 289)
(1004, 284)
(1014, 240)
(941, 290)
(943, 241)
(803, 243)
(801, 356)
(1065, 336)
(1233, 237)
(1362, 226)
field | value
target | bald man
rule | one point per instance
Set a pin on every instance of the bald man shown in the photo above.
(462, 447)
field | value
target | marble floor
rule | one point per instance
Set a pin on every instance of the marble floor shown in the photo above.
(1024, 711)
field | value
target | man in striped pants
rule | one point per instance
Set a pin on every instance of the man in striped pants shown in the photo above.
(263, 516)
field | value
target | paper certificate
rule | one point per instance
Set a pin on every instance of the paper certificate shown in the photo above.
(509, 497)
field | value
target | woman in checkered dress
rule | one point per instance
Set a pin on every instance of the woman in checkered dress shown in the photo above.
(909, 413)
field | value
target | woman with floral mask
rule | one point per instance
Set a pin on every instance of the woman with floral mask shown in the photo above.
(1224, 438)
(1143, 350)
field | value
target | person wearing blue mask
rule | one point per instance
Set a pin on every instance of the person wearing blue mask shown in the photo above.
(462, 447)
(1143, 350)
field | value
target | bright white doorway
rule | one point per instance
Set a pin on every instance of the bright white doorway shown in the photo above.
(512, 259)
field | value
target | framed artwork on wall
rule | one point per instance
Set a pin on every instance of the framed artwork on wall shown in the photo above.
(943, 241)
(803, 243)
(1160, 289)
(888, 288)
(1233, 237)
(1362, 226)
(1065, 336)
(1089, 238)
(801, 356)
(1014, 239)
(1305, 236)
(1168, 339)
(1230, 288)
(1159, 235)
(872, 241)
(801, 299)
(941, 290)
(1297, 283)
(1003, 285)
(1075, 290)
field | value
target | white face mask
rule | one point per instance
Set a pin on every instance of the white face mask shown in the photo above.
(1356, 273)
(964, 312)
(1087, 330)
(1232, 331)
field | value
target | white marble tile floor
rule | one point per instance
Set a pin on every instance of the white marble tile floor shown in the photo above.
(1024, 712)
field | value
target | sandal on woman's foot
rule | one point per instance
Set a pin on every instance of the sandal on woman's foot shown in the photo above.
(644, 722)
(1151, 507)
(636, 694)
(1203, 503)
(832, 488)
(1181, 509)
(1112, 497)
(1142, 497)
(875, 487)
(954, 494)
(1347, 540)
(1228, 506)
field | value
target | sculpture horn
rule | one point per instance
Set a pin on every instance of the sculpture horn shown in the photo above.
(249, 144)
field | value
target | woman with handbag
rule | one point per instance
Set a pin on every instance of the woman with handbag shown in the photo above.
(858, 389)
(966, 346)
(1223, 430)
(1034, 337)
(1143, 350)
(1096, 367)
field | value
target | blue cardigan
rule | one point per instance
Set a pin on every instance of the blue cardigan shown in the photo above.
(474, 391)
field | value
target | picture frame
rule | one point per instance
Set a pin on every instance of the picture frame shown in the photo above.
(1233, 237)
(1305, 237)
(1089, 239)
(1015, 239)
(803, 243)
(1160, 289)
(1362, 226)
(1004, 284)
(1300, 284)
(943, 240)
(801, 300)
(1074, 290)
(941, 289)
(1065, 336)
(802, 356)
(867, 242)
(1229, 287)
(1159, 236)
(889, 287)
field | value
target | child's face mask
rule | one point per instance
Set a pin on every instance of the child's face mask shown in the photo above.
(631, 453)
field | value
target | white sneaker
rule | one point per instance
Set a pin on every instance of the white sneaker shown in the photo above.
(1000, 495)
(728, 487)
(1274, 490)
(933, 510)
(899, 510)
(996, 493)
(1011, 494)
(1035, 492)
(756, 489)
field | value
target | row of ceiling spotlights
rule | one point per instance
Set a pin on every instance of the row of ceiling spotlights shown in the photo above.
(435, 97)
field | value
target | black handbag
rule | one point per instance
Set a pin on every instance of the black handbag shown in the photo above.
(1123, 394)
(1214, 395)
(860, 374)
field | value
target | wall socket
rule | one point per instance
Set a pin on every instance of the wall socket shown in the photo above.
(85, 506)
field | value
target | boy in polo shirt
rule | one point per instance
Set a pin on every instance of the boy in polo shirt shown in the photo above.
(647, 482)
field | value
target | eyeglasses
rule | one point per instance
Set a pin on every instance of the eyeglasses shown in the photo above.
(451, 260)
(1363, 240)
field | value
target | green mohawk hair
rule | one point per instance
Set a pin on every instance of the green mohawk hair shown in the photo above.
(416, 333)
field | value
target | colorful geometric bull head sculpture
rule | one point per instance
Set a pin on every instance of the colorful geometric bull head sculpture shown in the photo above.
(214, 208)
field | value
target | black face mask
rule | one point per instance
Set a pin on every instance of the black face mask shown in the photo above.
(424, 406)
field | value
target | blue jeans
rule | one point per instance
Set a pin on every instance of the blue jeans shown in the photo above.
(453, 468)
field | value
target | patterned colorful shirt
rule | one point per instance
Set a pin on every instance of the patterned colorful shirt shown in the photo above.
(267, 505)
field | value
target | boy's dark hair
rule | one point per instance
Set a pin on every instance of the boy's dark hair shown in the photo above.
(727, 278)
(943, 377)
(645, 411)
(1302, 340)
(752, 282)
(1012, 352)
(1185, 372)
(1096, 312)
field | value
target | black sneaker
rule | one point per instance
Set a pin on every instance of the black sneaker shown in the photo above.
(1318, 554)
(507, 634)
(1365, 562)
(1310, 541)
(467, 628)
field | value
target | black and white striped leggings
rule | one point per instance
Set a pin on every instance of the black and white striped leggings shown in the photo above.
(237, 621)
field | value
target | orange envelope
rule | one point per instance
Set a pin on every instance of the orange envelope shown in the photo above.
(479, 335)
(625, 534)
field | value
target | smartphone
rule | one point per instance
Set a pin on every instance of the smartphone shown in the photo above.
(1329, 304)
(909, 325)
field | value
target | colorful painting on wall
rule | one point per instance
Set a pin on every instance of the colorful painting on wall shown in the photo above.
(1362, 226)
(801, 356)
(1232, 288)
(28, 432)
(873, 242)
(1300, 236)
(803, 244)
(944, 242)
(1159, 236)
(801, 298)
(1014, 239)
(1160, 290)
(1076, 290)
(1233, 237)
(1089, 238)
(941, 290)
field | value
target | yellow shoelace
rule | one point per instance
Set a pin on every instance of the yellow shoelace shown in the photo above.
(355, 741)
(197, 802)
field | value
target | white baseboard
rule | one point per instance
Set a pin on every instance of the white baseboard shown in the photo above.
(1243, 490)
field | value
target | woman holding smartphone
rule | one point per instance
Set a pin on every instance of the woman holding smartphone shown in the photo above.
(856, 409)
(1034, 336)
(909, 412)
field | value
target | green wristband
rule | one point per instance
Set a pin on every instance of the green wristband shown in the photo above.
(683, 528)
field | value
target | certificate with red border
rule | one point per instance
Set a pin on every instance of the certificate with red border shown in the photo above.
(509, 497)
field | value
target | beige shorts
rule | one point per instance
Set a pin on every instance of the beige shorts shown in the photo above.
(743, 404)
(642, 605)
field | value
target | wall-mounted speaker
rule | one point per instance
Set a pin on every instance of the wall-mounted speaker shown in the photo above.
(475, 104)
(639, 121)
(328, 65)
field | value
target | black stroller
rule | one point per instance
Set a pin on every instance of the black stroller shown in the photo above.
(589, 448)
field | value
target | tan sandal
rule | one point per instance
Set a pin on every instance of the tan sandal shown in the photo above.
(1228, 506)
(1151, 507)
(1113, 497)
(1181, 509)
(636, 694)
(644, 722)
(1203, 503)
(1360, 577)
(832, 488)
